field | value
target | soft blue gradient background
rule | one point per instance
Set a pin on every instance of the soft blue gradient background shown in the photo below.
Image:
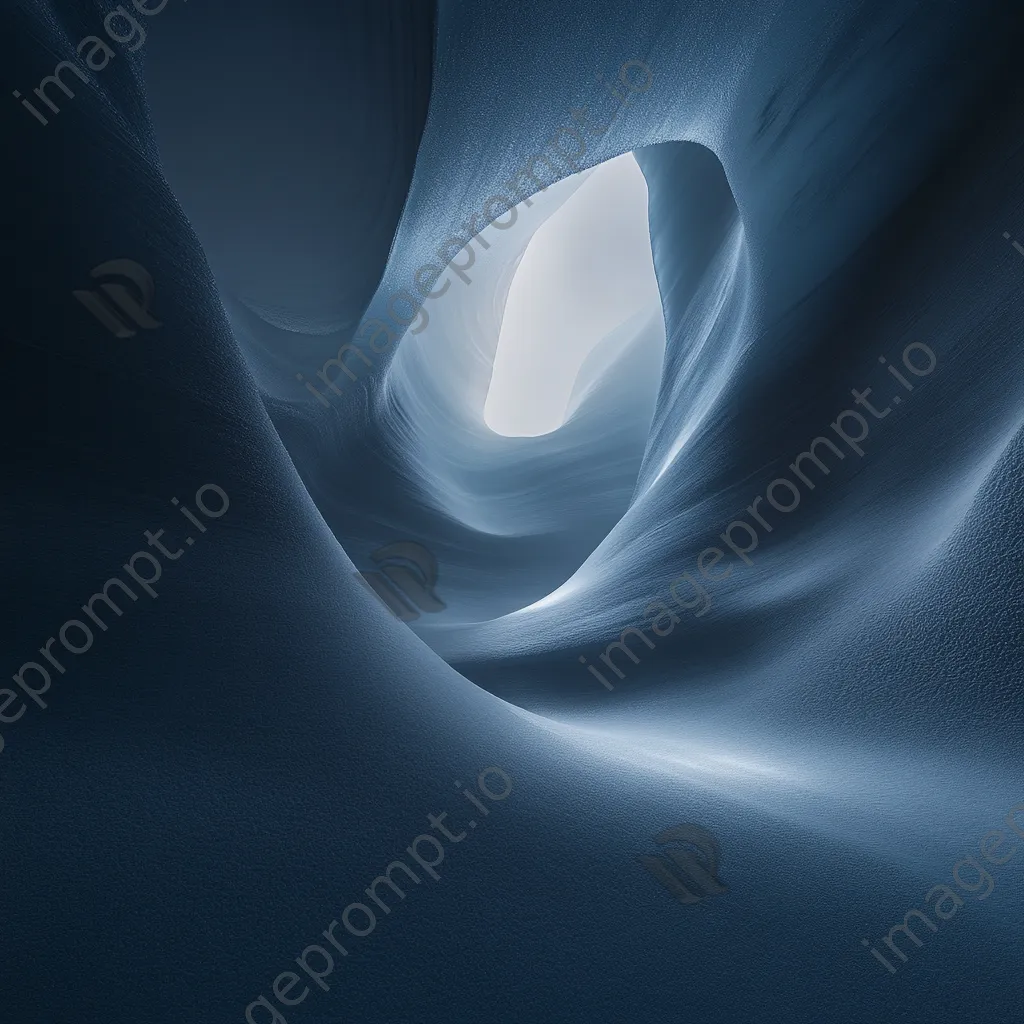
(232, 763)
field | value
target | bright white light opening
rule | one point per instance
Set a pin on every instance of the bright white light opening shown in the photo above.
(585, 272)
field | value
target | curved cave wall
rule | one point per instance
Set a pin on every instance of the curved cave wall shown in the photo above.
(198, 788)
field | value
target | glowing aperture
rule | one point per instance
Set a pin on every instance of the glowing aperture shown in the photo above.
(585, 272)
